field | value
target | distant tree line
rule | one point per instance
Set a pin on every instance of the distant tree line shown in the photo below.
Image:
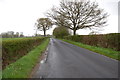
(12, 34)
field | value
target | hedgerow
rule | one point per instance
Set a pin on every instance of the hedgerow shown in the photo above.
(14, 49)
(104, 40)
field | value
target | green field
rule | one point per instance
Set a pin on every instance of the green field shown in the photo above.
(3, 39)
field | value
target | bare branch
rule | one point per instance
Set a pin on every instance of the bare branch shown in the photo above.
(44, 24)
(78, 15)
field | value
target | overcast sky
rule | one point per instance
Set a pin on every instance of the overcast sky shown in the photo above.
(21, 15)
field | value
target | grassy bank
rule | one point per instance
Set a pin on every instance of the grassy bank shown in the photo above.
(13, 49)
(104, 51)
(23, 67)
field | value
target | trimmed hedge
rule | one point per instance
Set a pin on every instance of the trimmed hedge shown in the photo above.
(14, 49)
(23, 67)
(111, 40)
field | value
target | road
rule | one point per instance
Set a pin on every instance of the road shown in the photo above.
(65, 60)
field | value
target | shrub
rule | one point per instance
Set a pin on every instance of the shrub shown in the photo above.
(113, 40)
(104, 40)
(60, 32)
(16, 48)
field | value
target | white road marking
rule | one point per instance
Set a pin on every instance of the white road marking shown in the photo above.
(42, 61)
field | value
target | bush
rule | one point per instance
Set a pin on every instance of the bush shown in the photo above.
(60, 32)
(16, 48)
(104, 40)
(23, 67)
(113, 40)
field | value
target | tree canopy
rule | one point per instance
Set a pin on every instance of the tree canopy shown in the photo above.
(44, 24)
(78, 14)
(60, 32)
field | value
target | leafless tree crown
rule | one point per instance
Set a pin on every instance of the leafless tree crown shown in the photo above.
(78, 15)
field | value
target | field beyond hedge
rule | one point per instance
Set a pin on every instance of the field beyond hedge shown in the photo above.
(15, 48)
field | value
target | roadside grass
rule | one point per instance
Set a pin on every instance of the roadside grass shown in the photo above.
(104, 51)
(23, 67)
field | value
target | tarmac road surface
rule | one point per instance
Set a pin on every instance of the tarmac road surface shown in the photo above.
(65, 60)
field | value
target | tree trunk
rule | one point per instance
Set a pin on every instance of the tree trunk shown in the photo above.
(44, 33)
(36, 33)
(74, 32)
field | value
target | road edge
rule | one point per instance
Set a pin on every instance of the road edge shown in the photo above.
(38, 63)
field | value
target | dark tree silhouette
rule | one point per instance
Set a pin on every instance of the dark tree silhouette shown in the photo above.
(77, 15)
(44, 24)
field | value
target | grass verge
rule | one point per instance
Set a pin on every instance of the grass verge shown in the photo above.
(104, 51)
(23, 67)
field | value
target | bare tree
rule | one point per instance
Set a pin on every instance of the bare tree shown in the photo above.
(77, 15)
(21, 34)
(11, 34)
(36, 29)
(44, 24)
(17, 34)
(93, 33)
